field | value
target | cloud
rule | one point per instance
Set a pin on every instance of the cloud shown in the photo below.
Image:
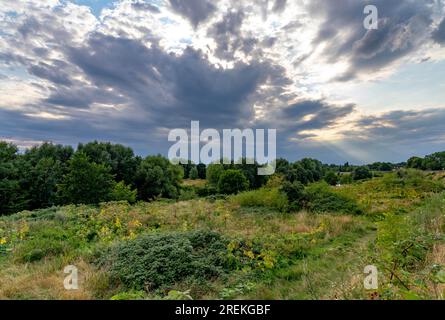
(139, 69)
(403, 27)
(439, 33)
(196, 11)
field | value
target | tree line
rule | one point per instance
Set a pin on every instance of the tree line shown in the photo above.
(50, 174)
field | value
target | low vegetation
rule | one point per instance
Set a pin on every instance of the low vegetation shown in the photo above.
(148, 229)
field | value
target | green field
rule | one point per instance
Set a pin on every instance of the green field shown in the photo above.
(235, 247)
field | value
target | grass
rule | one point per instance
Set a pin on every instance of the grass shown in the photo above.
(271, 254)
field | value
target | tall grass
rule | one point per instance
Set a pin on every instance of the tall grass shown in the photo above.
(268, 198)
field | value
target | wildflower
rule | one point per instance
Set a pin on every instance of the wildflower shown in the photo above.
(3, 241)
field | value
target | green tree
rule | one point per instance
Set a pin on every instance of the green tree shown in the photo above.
(201, 170)
(42, 180)
(232, 181)
(361, 173)
(86, 182)
(295, 194)
(213, 173)
(122, 192)
(157, 177)
(331, 178)
(119, 158)
(12, 195)
(194, 174)
(415, 163)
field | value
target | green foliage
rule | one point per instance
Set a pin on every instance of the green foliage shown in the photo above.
(214, 172)
(232, 181)
(86, 182)
(305, 171)
(157, 177)
(201, 171)
(264, 197)
(127, 296)
(45, 241)
(160, 260)
(346, 178)
(194, 173)
(320, 198)
(120, 159)
(12, 199)
(331, 178)
(122, 192)
(295, 194)
(361, 173)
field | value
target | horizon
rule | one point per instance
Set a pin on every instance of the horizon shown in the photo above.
(130, 71)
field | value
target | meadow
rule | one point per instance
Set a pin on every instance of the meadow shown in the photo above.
(251, 245)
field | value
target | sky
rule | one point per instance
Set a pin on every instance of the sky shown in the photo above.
(130, 71)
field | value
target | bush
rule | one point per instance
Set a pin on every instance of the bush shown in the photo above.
(155, 261)
(213, 173)
(269, 198)
(122, 192)
(45, 241)
(295, 194)
(205, 191)
(331, 178)
(346, 178)
(232, 181)
(157, 177)
(320, 198)
(361, 173)
(194, 173)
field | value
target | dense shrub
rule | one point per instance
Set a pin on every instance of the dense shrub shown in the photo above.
(319, 198)
(45, 241)
(232, 181)
(157, 177)
(361, 173)
(122, 192)
(214, 172)
(295, 194)
(160, 260)
(331, 178)
(194, 174)
(264, 197)
(346, 178)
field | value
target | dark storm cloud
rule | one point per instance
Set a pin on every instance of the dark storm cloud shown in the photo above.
(439, 33)
(403, 26)
(196, 11)
(185, 86)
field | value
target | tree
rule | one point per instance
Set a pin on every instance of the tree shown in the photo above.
(213, 173)
(12, 197)
(415, 163)
(42, 181)
(122, 192)
(295, 194)
(86, 182)
(157, 177)
(331, 178)
(361, 173)
(120, 159)
(232, 181)
(201, 170)
(194, 173)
